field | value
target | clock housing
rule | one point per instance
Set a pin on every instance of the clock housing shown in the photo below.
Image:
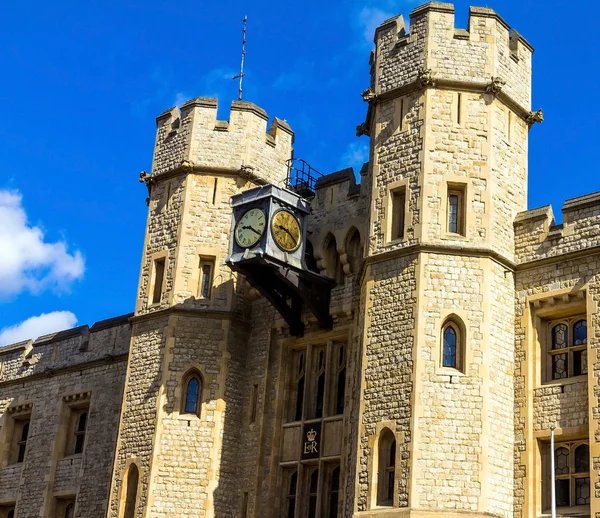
(284, 237)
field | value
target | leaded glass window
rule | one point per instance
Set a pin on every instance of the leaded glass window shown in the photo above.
(568, 348)
(450, 346)
(572, 474)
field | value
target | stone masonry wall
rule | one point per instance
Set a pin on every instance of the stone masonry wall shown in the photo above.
(87, 362)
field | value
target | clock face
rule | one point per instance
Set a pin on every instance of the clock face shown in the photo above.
(286, 230)
(250, 227)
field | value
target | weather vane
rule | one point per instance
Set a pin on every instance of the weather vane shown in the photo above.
(241, 75)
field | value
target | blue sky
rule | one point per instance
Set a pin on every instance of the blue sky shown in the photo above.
(83, 82)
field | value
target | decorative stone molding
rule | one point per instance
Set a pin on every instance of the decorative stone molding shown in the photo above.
(362, 129)
(368, 95)
(148, 180)
(495, 87)
(77, 398)
(187, 166)
(534, 117)
(20, 408)
(426, 78)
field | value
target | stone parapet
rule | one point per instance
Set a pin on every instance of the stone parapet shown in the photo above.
(489, 55)
(537, 237)
(192, 137)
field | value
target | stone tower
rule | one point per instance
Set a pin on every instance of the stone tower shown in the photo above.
(191, 314)
(449, 115)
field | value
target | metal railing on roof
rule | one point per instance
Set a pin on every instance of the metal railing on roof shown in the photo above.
(301, 177)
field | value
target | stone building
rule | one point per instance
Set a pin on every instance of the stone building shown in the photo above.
(457, 337)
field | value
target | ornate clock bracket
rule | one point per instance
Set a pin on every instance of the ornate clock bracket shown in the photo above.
(289, 289)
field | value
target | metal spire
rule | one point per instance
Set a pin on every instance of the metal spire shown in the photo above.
(241, 75)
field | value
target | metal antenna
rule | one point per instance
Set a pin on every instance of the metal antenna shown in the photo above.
(241, 75)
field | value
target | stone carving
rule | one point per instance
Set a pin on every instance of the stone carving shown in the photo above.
(368, 95)
(362, 129)
(426, 78)
(495, 87)
(187, 166)
(534, 117)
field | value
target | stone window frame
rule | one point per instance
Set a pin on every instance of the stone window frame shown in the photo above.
(457, 321)
(373, 472)
(573, 441)
(163, 255)
(326, 463)
(390, 210)
(75, 404)
(190, 375)
(62, 503)
(540, 310)
(123, 489)
(204, 255)
(386, 466)
(10, 436)
(459, 189)
(179, 396)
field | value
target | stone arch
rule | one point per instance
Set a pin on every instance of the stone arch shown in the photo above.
(354, 253)
(453, 343)
(386, 468)
(331, 259)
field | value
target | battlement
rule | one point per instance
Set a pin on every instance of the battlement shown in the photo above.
(537, 236)
(489, 52)
(194, 136)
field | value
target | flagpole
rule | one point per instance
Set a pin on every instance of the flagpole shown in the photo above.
(552, 475)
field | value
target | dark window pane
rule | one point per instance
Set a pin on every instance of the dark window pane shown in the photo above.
(560, 336)
(159, 273)
(25, 431)
(206, 278)
(11, 514)
(341, 390)
(82, 422)
(292, 495)
(392, 460)
(560, 366)
(334, 489)
(453, 213)
(192, 395)
(562, 493)
(299, 399)
(561, 460)
(79, 441)
(579, 363)
(312, 497)
(133, 477)
(390, 487)
(320, 395)
(580, 333)
(398, 210)
(341, 357)
(582, 491)
(69, 511)
(449, 359)
(582, 459)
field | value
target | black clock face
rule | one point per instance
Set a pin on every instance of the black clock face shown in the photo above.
(250, 227)
(286, 230)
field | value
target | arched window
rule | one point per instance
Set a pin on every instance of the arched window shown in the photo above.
(70, 511)
(387, 468)
(313, 493)
(568, 348)
(333, 265)
(11, 514)
(80, 432)
(22, 443)
(572, 474)
(353, 250)
(193, 390)
(334, 492)
(300, 382)
(291, 497)
(582, 459)
(133, 477)
(452, 345)
(320, 393)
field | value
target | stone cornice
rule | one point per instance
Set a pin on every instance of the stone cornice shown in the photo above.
(445, 249)
(76, 367)
(199, 312)
(560, 258)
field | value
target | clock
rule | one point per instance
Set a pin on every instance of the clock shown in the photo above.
(250, 227)
(286, 230)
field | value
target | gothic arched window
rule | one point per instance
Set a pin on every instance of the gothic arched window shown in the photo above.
(291, 497)
(386, 452)
(191, 396)
(452, 345)
(80, 432)
(133, 477)
(70, 511)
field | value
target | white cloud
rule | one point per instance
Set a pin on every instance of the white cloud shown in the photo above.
(357, 153)
(369, 18)
(37, 326)
(27, 261)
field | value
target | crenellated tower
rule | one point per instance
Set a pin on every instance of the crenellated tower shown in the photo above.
(449, 115)
(185, 386)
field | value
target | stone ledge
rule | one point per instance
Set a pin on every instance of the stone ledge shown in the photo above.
(544, 212)
(486, 12)
(582, 202)
(245, 106)
(439, 7)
